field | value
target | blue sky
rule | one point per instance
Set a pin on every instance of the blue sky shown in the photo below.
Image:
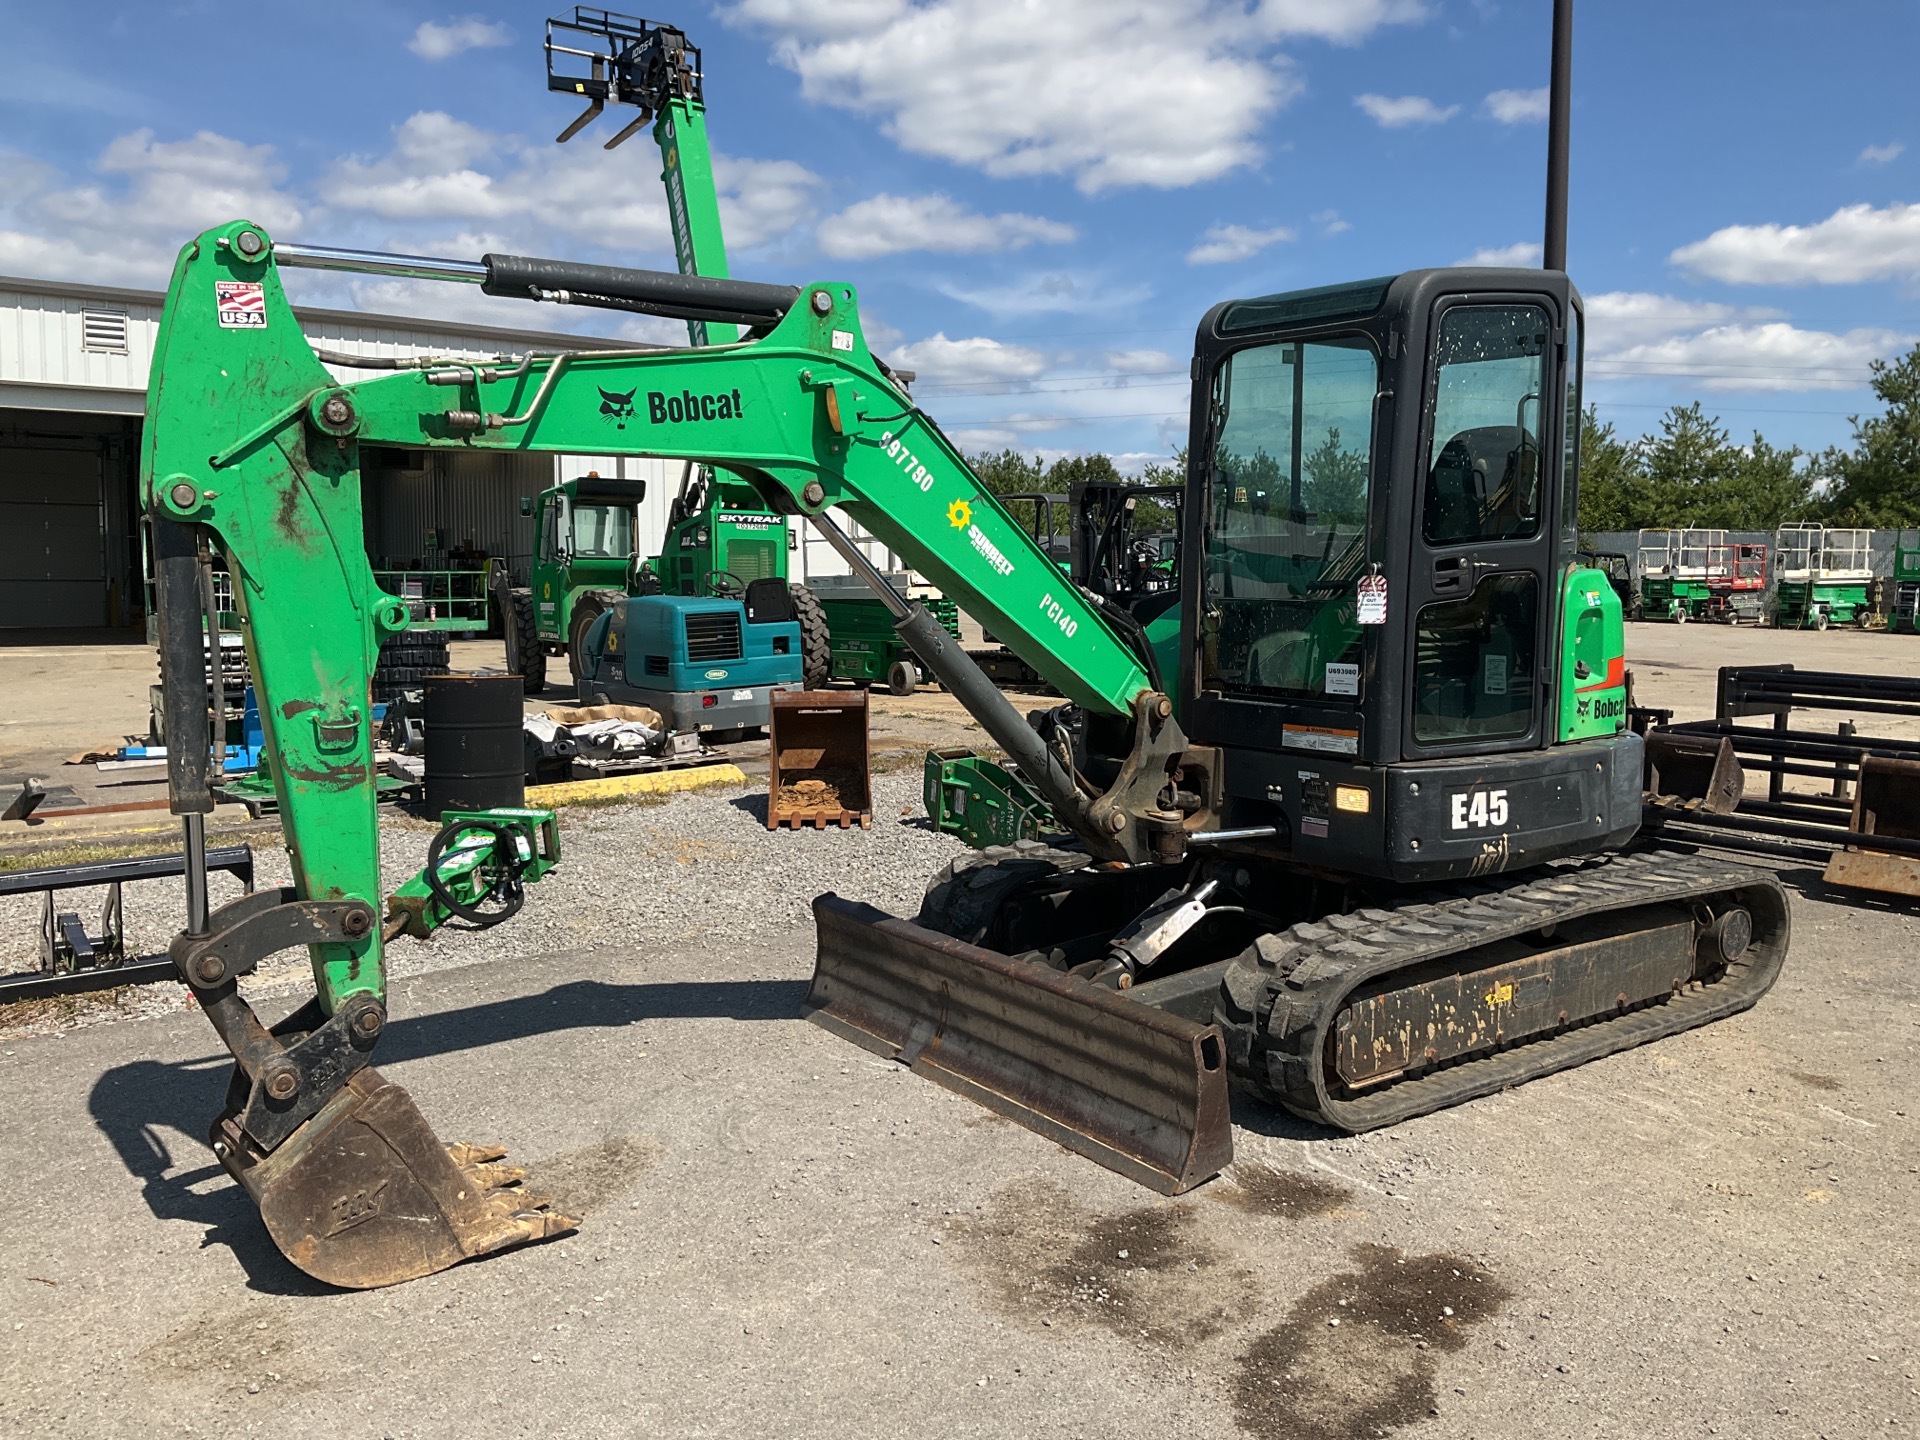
(1039, 200)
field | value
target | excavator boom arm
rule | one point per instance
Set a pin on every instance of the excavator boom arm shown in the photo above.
(804, 411)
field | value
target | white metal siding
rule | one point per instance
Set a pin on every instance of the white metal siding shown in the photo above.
(466, 497)
(41, 343)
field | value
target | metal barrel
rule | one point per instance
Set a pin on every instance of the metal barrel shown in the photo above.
(1136, 1089)
(475, 753)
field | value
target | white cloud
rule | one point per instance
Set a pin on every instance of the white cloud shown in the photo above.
(1883, 154)
(1620, 319)
(1049, 293)
(148, 197)
(1344, 22)
(1771, 357)
(440, 168)
(1143, 362)
(1634, 335)
(1523, 253)
(969, 361)
(890, 224)
(1072, 87)
(1855, 243)
(1518, 107)
(1398, 112)
(1330, 222)
(1132, 462)
(1225, 243)
(436, 41)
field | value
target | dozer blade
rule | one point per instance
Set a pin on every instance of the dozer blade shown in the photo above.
(364, 1195)
(1139, 1090)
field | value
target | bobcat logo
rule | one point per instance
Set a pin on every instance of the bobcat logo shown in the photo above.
(357, 1208)
(617, 407)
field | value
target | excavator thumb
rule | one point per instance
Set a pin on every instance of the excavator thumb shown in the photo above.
(1140, 1090)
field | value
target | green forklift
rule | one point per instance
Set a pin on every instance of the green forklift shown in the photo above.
(718, 544)
(721, 537)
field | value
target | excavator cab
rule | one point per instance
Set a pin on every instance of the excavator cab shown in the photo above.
(1381, 508)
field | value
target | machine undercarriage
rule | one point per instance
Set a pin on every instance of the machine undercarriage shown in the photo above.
(1353, 1003)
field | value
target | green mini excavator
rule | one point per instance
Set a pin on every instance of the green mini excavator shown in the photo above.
(1353, 840)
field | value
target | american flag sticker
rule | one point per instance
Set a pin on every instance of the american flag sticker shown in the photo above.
(242, 304)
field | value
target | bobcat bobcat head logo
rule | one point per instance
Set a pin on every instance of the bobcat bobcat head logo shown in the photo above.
(617, 407)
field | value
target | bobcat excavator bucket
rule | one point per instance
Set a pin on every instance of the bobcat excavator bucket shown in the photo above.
(364, 1195)
(1139, 1090)
(349, 1177)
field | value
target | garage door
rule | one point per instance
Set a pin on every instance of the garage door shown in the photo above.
(52, 554)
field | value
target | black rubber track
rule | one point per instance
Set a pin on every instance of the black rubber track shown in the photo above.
(1298, 980)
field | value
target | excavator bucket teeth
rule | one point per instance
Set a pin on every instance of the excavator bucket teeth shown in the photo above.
(364, 1194)
(1139, 1090)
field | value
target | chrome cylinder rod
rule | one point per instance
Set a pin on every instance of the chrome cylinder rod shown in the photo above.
(195, 827)
(376, 262)
(858, 562)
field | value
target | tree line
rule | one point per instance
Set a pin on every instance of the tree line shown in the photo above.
(1692, 474)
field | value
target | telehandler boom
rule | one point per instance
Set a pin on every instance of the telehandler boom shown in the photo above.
(1354, 850)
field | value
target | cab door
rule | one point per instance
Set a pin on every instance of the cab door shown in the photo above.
(1481, 595)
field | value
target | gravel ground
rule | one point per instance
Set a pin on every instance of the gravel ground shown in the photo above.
(701, 865)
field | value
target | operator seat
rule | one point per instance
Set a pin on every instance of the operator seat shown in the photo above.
(1488, 471)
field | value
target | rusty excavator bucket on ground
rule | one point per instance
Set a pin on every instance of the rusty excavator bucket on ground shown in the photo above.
(353, 1184)
(364, 1194)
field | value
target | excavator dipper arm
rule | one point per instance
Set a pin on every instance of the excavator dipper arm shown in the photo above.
(245, 454)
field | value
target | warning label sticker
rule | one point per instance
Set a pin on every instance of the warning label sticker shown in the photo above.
(1323, 738)
(242, 304)
(1371, 608)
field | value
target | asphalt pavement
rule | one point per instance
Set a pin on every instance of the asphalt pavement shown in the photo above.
(784, 1236)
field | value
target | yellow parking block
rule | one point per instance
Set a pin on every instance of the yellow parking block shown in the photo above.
(648, 782)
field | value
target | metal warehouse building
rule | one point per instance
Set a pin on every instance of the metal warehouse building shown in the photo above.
(73, 376)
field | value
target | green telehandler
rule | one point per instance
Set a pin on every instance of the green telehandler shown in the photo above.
(1356, 842)
(720, 536)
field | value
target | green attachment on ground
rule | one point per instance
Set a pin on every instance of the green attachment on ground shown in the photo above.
(480, 858)
(981, 803)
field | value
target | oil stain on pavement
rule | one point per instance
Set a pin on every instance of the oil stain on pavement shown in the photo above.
(1144, 1273)
(1287, 1194)
(582, 1181)
(1354, 1357)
